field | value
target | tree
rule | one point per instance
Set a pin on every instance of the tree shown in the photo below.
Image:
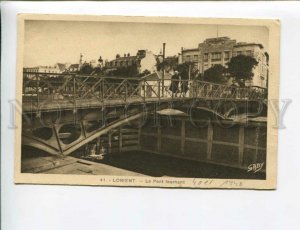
(168, 64)
(86, 69)
(186, 69)
(215, 74)
(240, 67)
(125, 71)
(144, 73)
(97, 70)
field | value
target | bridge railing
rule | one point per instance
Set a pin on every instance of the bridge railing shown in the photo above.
(73, 88)
(201, 89)
(39, 87)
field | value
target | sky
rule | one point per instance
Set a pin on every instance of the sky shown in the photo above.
(49, 42)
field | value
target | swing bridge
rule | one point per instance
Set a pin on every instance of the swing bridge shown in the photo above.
(61, 113)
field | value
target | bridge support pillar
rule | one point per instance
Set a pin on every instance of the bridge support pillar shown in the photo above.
(98, 147)
(209, 140)
(182, 136)
(159, 138)
(82, 126)
(155, 114)
(120, 139)
(55, 131)
(139, 134)
(241, 144)
(109, 142)
(103, 115)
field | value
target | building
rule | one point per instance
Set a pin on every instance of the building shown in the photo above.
(143, 60)
(31, 69)
(256, 51)
(61, 67)
(190, 55)
(73, 68)
(154, 86)
(57, 68)
(93, 63)
(214, 51)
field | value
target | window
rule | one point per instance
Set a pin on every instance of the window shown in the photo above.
(205, 57)
(195, 57)
(216, 56)
(239, 53)
(226, 55)
(249, 53)
(188, 58)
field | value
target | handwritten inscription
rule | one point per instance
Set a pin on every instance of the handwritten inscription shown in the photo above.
(199, 182)
(231, 184)
(214, 183)
(255, 167)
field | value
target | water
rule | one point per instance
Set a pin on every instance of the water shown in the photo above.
(158, 165)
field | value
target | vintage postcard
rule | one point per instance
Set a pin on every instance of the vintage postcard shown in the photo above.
(146, 101)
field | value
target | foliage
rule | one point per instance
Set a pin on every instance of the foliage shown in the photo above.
(215, 74)
(86, 69)
(185, 68)
(240, 68)
(97, 70)
(126, 71)
(169, 63)
(144, 73)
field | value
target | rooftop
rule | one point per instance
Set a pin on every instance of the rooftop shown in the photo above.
(248, 44)
(74, 66)
(61, 66)
(189, 49)
(126, 58)
(217, 39)
(156, 76)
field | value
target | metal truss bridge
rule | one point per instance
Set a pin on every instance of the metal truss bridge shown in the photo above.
(45, 91)
(64, 112)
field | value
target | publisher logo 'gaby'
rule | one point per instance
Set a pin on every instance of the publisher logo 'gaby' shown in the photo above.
(255, 167)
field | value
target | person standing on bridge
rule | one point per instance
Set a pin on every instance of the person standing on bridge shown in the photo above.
(175, 83)
(184, 85)
(234, 87)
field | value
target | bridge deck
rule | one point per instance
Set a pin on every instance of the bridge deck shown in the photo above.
(92, 103)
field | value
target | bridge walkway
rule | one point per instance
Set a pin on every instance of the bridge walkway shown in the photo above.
(45, 91)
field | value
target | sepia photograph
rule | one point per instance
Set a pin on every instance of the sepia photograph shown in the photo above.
(146, 101)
